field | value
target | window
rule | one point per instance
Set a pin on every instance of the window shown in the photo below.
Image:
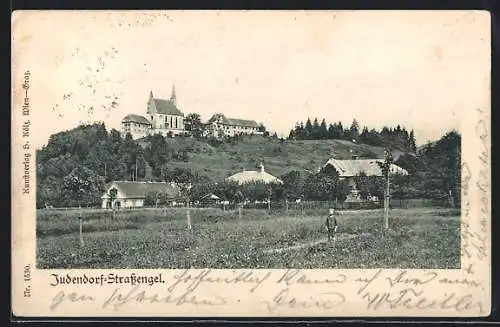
(171, 122)
(176, 122)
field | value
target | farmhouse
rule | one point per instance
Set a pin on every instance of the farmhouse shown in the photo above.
(254, 176)
(348, 169)
(219, 125)
(133, 194)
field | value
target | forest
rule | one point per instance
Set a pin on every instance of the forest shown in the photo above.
(395, 138)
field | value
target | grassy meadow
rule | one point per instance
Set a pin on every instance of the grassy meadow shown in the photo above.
(149, 238)
(279, 157)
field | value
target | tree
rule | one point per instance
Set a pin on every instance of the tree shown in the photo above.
(254, 191)
(293, 185)
(413, 145)
(323, 130)
(128, 154)
(200, 189)
(331, 132)
(194, 125)
(316, 133)
(82, 187)
(113, 192)
(364, 137)
(227, 190)
(308, 129)
(154, 198)
(362, 185)
(354, 130)
(263, 130)
(340, 133)
(157, 154)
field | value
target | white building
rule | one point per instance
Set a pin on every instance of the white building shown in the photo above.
(137, 126)
(219, 125)
(133, 194)
(163, 116)
(249, 176)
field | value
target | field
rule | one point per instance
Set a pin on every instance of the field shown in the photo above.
(149, 238)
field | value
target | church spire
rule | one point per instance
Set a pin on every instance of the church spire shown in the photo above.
(173, 97)
(150, 94)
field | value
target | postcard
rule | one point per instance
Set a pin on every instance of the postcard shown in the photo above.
(251, 163)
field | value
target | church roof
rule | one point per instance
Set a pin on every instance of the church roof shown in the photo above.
(166, 107)
(220, 118)
(136, 119)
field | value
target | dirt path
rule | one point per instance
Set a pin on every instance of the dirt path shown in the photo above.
(339, 237)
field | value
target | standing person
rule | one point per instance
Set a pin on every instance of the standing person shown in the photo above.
(331, 224)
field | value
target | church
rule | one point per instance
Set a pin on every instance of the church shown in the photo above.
(163, 116)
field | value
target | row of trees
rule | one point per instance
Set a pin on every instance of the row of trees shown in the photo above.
(323, 186)
(397, 137)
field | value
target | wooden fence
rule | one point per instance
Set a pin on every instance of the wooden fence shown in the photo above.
(301, 206)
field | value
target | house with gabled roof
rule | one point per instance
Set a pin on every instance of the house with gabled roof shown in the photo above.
(132, 194)
(219, 125)
(349, 169)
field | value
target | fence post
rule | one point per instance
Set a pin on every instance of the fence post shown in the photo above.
(81, 230)
(188, 214)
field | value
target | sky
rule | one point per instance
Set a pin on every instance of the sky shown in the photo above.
(422, 70)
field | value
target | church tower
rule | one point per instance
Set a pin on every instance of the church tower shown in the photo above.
(173, 97)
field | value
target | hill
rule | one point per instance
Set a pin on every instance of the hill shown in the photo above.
(278, 156)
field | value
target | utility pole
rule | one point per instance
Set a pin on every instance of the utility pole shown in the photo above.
(386, 203)
(386, 171)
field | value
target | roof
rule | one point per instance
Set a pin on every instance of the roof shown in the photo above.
(351, 168)
(254, 176)
(210, 196)
(140, 189)
(136, 119)
(220, 118)
(166, 107)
